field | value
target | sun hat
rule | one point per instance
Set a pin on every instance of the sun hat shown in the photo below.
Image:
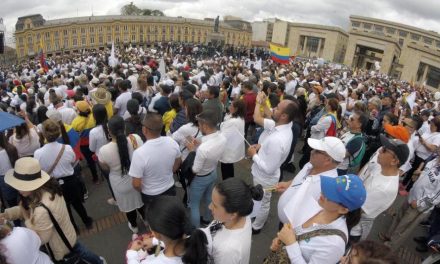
(333, 146)
(346, 190)
(26, 175)
(101, 96)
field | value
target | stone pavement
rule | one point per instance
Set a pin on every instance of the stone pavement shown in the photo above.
(110, 235)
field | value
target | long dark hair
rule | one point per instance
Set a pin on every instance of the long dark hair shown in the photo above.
(116, 126)
(167, 216)
(10, 149)
(353, 218)
(193, 108)
(100, 115)
(238, 196)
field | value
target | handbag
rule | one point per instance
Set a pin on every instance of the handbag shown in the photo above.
(186, 167)
(72, 257)
(281, 257)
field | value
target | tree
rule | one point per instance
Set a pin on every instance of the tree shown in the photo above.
(133, 10)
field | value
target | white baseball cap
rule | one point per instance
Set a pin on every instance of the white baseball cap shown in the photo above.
(333, 146)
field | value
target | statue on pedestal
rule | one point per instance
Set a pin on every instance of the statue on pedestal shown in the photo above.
(216, 24)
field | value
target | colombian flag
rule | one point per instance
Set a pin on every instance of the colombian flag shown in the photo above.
(279, 54)
(43, 62)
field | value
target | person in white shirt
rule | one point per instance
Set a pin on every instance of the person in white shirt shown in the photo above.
(67, 114)
(230, 234)
(152, 174)
(271, 151)
(63, 171)
(233, 129)
(381, 180)
(291, 84)
(423, 196)
(8, 156)
(132, 77)
(340, 204)
(99, 135)
(207, 156)
(25, 138)
(114, 159)
(121, 101)
(15, 241)
(301, 193)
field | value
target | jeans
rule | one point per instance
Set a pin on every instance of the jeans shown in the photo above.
(86, 254)
(201, 187)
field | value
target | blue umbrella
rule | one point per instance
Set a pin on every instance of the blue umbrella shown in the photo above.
(8, 121)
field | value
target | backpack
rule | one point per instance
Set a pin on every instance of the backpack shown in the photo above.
(359, 154)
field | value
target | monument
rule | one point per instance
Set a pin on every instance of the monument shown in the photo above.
(216, 38)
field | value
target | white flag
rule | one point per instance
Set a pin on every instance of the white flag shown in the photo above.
(112, 60)
(162, 68)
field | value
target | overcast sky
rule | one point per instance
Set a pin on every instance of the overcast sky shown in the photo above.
(422, 13)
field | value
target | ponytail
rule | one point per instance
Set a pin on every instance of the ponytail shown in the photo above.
(105, 129)
(196, 250)
(121, 141)
(64, 135)
(353, 218)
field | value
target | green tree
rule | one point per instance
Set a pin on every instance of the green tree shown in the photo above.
(133, 10)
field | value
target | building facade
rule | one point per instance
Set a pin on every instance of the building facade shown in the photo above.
(403, 51)
(309, 40)
(97, 32)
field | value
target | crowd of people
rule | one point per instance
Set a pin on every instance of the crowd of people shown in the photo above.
(167, 118)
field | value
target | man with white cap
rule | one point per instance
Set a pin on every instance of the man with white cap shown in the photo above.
(304, 190)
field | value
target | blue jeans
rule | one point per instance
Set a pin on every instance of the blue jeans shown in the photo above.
(201, 187)
(86, 254)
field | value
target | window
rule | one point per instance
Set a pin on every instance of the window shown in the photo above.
(20, 40)
(29, 40)
(101, 39)
(65, 32)
(415, 36)
(100, 29)
(312, 44)
(355, 24)
(117, 28)
(74, 42)
(438, 44)
(83, 30)
(56, 33)
(109, 28)
(378, 28)
(66, 43)
(171, 29)
(92, 30)
(401, 42)
(83, 41)
(74, 31)
(125, 28)
(164, 30)
(403, 33)
(391, 31)
(367, 25)
(57, 45)
(109, 39)
(427, 40)
(186, 30)
(92, 40)
(133, 37)
(133, 27)
(47, 35)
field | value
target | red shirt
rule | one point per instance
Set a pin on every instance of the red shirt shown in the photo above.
(250, 101)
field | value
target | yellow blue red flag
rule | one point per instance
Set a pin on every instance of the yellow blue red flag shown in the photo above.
(279, 54)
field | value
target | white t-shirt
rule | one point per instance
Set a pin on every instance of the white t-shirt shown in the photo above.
(22, 245)
(121, 102)
(180, 135)
(97, 139)
(5, 164)
(47, 155)
(313, 191)
(381, 190)
(431, 139)
(209, 153)
(232, 246)
(232, 128)
(67, 114)
(319, 249)
(27, 145)
(235, 93)
(153, 163)
(134, 258)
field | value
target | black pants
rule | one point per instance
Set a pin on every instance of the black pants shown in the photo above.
(106, 175)
(148, 198)
(88, 155)
(73, 196)
(132, 216)
(407, 181)
(184, 183)
(227, 170)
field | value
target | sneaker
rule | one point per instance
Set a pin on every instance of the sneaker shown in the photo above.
(86, 195)
(103, 260)
(112, 201)
(135, 230)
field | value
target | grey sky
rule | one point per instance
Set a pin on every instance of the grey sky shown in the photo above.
(422, 13)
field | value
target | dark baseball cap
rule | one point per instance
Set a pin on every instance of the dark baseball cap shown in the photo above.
(397, 146)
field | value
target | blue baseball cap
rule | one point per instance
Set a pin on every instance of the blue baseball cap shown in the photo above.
(346, 190)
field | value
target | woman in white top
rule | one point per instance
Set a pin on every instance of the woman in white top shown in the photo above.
(25, 138)
(191, 130)
(168, 222)
(232, 203)
(8, 156)
(233, 129)
(115, 158)
(15, 241)
(63, 171)
(341, 200)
